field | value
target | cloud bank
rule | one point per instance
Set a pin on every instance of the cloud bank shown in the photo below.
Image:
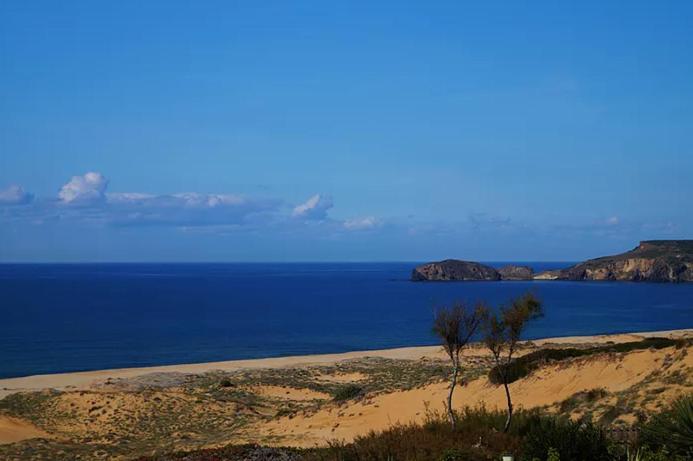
(86, 198)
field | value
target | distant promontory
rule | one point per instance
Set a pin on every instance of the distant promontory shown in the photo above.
(651, 261)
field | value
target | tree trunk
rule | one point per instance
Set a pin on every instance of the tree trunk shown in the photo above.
(510, 405)
(451, 413)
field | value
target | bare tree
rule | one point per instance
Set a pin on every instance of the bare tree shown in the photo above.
(502, 332)
(455, 326)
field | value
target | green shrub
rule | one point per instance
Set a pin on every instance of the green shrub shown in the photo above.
(572, 441)
(347, 392)
(553, 455)
(672, 429)
(456, 454)
(576, 399)
(412, 442)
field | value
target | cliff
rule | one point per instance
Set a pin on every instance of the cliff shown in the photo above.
(651, 261)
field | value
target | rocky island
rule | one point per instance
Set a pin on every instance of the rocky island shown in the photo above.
(454, 270)
(457, 270)
(651, 261)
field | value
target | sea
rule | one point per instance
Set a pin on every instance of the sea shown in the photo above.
(74, 317)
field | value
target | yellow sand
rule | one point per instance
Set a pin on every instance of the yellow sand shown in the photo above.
(14, 430)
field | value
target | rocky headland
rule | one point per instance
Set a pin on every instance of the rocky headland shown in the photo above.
(650, 261)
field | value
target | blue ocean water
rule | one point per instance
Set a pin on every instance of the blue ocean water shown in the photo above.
(56, 318)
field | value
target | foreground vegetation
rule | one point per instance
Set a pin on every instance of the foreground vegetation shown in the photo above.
(478, 436)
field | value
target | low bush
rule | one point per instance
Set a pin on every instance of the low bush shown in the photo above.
(672, 429)
(473, 440)
(571, 441)
(576, 399)
(347, 392)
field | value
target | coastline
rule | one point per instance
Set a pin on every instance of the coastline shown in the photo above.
(87, 379)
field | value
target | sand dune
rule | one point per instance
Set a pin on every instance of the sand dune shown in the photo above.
(546, 387)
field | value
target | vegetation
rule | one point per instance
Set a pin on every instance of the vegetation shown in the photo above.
(477, 436)
(569, 440)
(502, 332)
(579, 398)
(455, 327)
(347, 392)
(523, 366)
(672, 430)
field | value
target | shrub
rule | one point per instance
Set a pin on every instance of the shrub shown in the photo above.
(572, 441)
(456, 454)
(553, 455)
(672, 429)
(576, 399)
(347, 392)
(411, 442)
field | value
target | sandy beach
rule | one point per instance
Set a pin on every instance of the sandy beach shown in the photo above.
(86, 379)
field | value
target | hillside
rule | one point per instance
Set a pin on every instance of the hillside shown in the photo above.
(651, 261)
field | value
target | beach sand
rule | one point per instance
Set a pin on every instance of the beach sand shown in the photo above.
(86, 379)
(547, 387)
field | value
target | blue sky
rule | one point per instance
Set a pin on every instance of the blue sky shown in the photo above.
(343, 131)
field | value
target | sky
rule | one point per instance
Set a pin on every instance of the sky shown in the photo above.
(343, 131)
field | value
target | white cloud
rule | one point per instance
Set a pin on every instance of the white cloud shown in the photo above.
(87, 189)
(613, 221)
(315, 207)
(193, 199)
(128, 197)
(184, 199)
(362, 223)
(15, 195)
